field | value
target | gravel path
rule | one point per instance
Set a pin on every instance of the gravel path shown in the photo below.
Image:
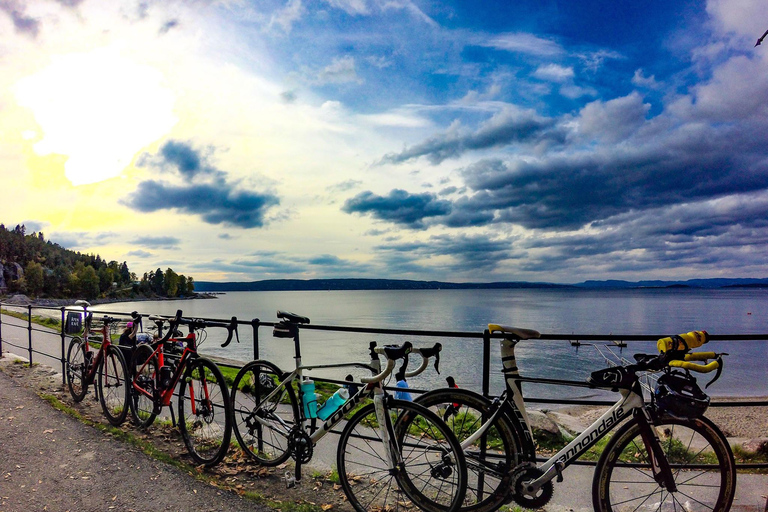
(50, 461)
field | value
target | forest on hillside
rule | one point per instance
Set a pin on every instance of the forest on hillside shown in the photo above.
(37, 267)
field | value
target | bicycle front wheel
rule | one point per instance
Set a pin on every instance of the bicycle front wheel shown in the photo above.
(113, 386)
(144, 393)
(491, 458)
(204, 415)
(77, 369)
(701, 460)
(430, 475)
(264, 412)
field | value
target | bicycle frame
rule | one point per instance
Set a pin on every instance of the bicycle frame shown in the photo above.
(90, 377)
(513, 404)
(190, 352)
(366, 391)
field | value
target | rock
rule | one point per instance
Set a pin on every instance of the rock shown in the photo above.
(568, 424)
(3, 286)
(12, 272)
(18, 300)
(541, 422)
(759, 445)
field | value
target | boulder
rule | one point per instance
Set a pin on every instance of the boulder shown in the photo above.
(543, 423)
(3, 286)
(759, 445)
(12, 272)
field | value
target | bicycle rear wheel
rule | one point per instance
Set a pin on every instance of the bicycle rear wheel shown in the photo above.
(204, 415)
(491, 458)
(432, 474)
(702, 465)
(144, 369)
(113, 386)
(77, 369)
(263, 420)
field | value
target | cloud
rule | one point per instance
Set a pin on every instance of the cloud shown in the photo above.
(157, 242)
(286, 17)
(21, 22)
(465, 253)
(216, 204)
(341, 70)
(81, 239)
(522, 43)
(400, 207)
(209, 195)
(554, 73)
(509, 126)
(351, 7)
(139, 254)
(648, 82)
(168, 25)
(614, 120)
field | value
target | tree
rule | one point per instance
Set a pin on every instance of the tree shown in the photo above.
(33, 273)
(88, 283)
(156, 281)
(171, 283)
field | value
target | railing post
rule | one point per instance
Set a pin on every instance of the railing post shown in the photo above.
(1, 330)
(63, 356)
(29, 328)
(486, 363)
(255, 324)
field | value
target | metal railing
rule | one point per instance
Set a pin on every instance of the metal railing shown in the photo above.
(485, 336)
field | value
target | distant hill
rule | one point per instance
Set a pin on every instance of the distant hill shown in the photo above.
(404, 284)
(357, 284)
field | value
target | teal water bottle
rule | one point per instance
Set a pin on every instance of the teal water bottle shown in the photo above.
(332, 404)
(309, 398)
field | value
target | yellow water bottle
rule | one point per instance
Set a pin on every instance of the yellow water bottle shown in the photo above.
(687, 341)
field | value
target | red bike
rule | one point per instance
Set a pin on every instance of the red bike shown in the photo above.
(172, 365)
(83, 365)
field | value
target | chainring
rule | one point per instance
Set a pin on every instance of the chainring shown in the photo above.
(300, 445)
(524, 497)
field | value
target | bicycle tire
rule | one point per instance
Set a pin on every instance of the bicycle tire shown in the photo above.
(204, 412)
(144, 407)
(623, 479)
(113, 386)
(489, 470)
(265, 441)
(427, 447)
(77, 369)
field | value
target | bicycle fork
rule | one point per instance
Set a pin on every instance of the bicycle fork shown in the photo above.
(662, 471)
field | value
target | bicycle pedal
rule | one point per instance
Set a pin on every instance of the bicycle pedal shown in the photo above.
(290, 480)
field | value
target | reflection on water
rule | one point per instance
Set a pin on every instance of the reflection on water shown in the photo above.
(646, 311)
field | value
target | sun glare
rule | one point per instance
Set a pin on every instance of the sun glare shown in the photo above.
(98, 109)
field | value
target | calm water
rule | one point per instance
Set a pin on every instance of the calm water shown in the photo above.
(662, 311)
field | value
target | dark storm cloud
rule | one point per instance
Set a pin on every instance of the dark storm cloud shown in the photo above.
(21, 22)
(205, 191)
(215, 203)
(571, 191)
(730, 233)
(505, 128)
(468, 252)
(265, 263)
(400, 207)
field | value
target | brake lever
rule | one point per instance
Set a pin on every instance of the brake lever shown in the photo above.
(232, 328)
(719, 370)
(437, 363)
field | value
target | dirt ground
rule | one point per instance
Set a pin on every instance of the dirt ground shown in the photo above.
(238, 484)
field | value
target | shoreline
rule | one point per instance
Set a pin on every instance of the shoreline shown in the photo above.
(21, 300)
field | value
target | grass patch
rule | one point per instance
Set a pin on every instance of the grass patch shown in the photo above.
(39, 320)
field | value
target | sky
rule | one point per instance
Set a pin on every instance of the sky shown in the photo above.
(534, 140)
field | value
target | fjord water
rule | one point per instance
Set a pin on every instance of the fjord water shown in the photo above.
(563, 311)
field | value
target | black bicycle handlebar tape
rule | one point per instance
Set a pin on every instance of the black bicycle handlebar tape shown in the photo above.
(174, 323)
(231, 328)
(398, 352)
